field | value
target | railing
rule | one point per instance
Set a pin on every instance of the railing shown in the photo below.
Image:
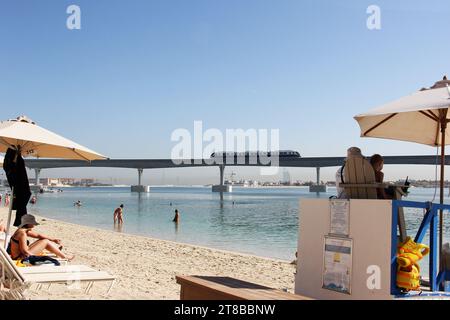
(430, 221)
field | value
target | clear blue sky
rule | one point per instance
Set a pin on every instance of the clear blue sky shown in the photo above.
(137, 70)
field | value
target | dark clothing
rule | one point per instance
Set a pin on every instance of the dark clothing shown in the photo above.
(383, 193)
(379, 178)
(36, 260)
(16, 174)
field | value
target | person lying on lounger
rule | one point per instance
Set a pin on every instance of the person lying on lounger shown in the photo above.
(19, 247)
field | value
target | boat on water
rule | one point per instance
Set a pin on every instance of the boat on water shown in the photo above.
(49, 190)
(242, 183)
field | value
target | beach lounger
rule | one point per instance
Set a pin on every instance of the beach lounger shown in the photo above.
(56, 269)
(2, 239)
(15, 281)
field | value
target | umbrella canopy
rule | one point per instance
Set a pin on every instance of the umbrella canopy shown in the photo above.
(416, 118)
(421, 117)
(38, 142)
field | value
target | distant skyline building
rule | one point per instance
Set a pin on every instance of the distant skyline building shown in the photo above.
(62, 181)
(286, 176)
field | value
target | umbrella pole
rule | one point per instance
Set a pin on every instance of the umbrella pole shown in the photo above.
(9, 217)
(441, 213)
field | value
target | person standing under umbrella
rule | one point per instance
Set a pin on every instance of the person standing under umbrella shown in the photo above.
(16, 174)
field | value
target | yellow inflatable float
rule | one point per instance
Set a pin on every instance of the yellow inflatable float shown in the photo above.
(409, 253)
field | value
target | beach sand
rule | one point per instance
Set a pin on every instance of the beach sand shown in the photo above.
(146, 268)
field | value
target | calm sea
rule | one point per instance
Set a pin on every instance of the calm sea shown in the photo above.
(259, 221)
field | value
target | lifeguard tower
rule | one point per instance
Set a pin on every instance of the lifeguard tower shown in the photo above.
(347, 248)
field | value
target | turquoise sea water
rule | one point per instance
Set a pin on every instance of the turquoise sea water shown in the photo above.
(259, 221)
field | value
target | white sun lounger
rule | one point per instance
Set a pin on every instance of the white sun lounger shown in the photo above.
(56, 269)
(2, 238)
(18, 280)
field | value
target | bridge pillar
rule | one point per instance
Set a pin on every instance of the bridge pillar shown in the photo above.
(37, 171)
(318, 175)
(140, 188)
(222, 187)
(140, 172)
(318, 187)
(37, 186)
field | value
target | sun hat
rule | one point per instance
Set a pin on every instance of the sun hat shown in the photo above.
(28, 219)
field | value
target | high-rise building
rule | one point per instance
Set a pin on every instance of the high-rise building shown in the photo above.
(286, 177)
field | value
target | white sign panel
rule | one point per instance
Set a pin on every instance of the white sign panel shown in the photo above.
(339, 217)
(337, 267)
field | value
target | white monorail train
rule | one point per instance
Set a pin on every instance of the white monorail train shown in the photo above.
(281, 154)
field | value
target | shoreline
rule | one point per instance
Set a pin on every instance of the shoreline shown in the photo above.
(146, 267)
(177, 186)
(170, 242)
(165, 240)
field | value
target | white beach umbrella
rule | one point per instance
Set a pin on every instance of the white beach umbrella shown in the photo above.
(38, 142)
(23, 135)
(421, 117)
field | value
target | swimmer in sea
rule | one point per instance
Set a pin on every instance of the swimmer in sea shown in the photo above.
(118, 214)
(176, 219)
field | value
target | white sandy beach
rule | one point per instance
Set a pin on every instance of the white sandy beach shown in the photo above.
(146, 267)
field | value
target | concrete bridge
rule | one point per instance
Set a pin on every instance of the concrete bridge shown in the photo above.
(141, 164)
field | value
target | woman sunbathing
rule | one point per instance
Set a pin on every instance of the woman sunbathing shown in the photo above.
(19, 247)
